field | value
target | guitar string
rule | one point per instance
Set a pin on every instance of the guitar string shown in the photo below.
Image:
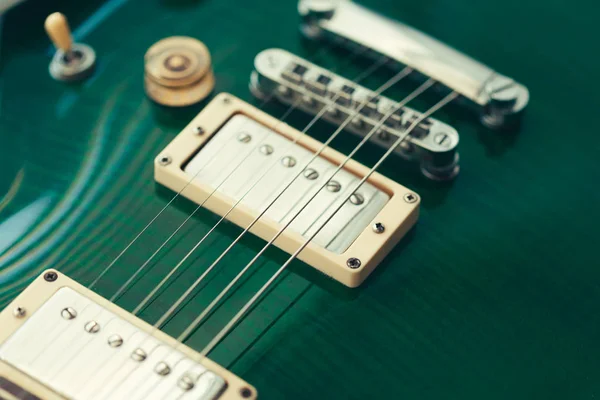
(122, 289)
(363, 75)
(447, 99)
(400, 75)
(353, 55)
(375, 129)
(233, 321)
(321, 52)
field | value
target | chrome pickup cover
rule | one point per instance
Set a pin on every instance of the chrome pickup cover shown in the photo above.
(294, 80)
(252, 151)
(70, 357)
(499, 99)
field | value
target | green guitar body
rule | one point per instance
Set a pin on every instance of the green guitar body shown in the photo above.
(494, 294)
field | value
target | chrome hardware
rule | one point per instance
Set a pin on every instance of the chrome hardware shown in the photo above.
(92, 327)
(378, 227)
(499, 99)
(310, 174)
(333, 186)
(19, 312)
(68, 313)
(353, 263)
(357, 199)
(266, 149)
(165, 160)
(438, 158)
(139, 355)
(244, 137)
(162, 369)
(410, 198)
(288, 161)
(115, 340)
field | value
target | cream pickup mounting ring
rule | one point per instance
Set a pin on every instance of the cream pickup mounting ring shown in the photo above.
(248, 164)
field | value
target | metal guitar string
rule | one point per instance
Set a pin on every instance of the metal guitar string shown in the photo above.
(361, 76)
(264, 174)
(122, 289)
(231, 323)
(400, 75)
(290, 109)
(176, 195)
(207, 310)
(447, 99)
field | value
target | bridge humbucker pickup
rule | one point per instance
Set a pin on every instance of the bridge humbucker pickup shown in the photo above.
(437, 161)
(263, 174)
(499, 99)
(70, 343)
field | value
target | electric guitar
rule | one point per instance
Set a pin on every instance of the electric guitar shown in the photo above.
(286, 200)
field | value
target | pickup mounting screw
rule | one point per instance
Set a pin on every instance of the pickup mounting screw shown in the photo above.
(165, 160)
(50, 276)
(92, 327)
(410, 198)
(68, 313)
(246, 392)
(353, 263)
(199, 131)
(19, 312)
(378, 227)
(115, 340)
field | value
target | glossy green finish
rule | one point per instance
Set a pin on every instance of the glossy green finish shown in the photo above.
(494, 295)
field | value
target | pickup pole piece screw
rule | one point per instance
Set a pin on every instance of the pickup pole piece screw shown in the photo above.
(19, 312)
(288, 161)
(138, 355)
(378, 227)
(353, 263)
(92, 327)
(410, 198)
(357, 199)
(266, 149)
(186, 382)
(50, 276)
(334, 186)
(310, 174)
(68, 313)
(244, 137)
(162, 369)
(165, 160)
(115, 340)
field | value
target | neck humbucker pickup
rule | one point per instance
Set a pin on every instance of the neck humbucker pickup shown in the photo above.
(499, 100)
(295, 81)
(59, 340)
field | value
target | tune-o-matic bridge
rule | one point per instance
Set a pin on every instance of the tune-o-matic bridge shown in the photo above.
(294, 80)
(59, 340)
(499, 99)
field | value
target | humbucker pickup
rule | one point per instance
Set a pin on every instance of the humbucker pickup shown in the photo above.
(266, 176)
(499, 99)
(295, 81)
(60, 340)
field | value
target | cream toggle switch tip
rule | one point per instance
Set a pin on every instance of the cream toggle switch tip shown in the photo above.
(58, 29)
